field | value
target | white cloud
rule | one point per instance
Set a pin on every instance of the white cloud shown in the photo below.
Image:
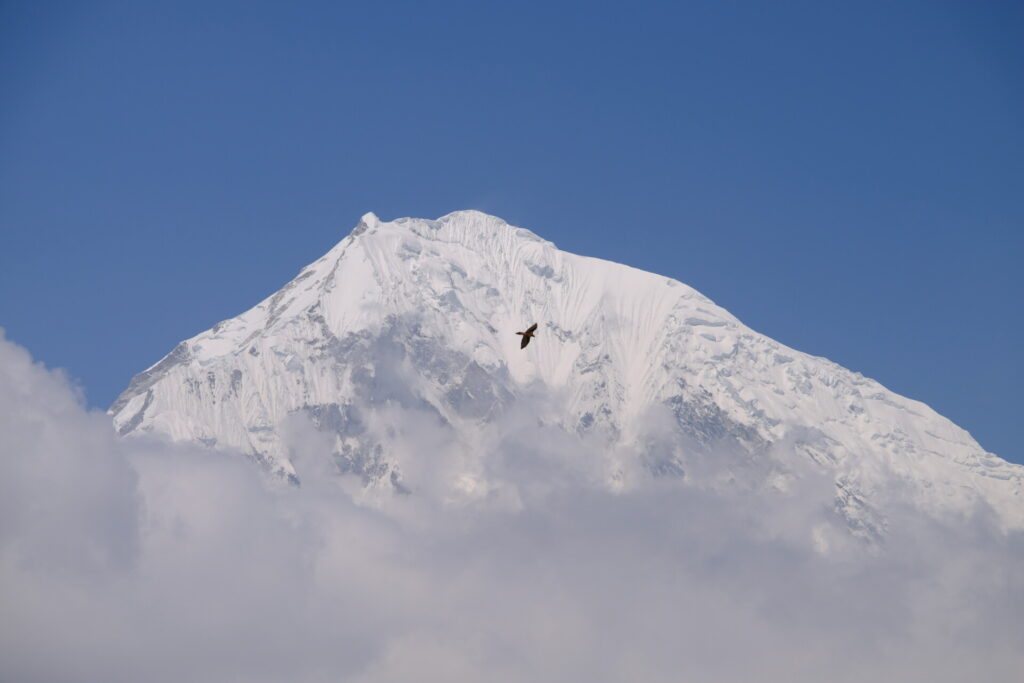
(134, 560)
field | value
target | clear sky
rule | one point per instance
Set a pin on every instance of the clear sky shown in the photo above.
(847, 178)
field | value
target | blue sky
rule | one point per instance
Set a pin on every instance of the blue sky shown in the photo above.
(847, 178)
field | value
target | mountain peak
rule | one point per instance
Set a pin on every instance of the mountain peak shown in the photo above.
(416, 319)
(469, 227)
(367, 221)
(471, 214)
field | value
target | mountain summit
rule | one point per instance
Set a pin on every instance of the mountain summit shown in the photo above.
(414, 322)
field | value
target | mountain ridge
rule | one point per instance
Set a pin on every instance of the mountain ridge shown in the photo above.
(421, 314)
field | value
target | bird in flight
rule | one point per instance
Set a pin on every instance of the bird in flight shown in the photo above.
(528, 335)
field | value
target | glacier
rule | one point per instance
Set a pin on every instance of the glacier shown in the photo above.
(413, 321)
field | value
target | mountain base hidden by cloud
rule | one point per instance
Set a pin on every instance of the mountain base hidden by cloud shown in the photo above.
(141, 559)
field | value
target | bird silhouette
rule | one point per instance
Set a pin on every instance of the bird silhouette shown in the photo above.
(528, 335)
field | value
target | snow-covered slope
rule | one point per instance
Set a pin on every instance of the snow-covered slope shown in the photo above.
(415, 320)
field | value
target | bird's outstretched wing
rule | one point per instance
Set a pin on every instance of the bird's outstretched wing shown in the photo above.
(526, 340)
(531, 329)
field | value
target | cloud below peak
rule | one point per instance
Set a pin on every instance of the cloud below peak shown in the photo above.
(129, 559)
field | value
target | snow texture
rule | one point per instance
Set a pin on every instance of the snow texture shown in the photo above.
(415, 320)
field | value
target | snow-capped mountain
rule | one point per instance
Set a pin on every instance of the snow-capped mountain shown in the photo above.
(415, 320)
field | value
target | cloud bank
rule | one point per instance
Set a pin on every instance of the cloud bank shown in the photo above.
(129, 560)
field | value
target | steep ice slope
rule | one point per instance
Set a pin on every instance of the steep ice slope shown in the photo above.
(418, 316)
